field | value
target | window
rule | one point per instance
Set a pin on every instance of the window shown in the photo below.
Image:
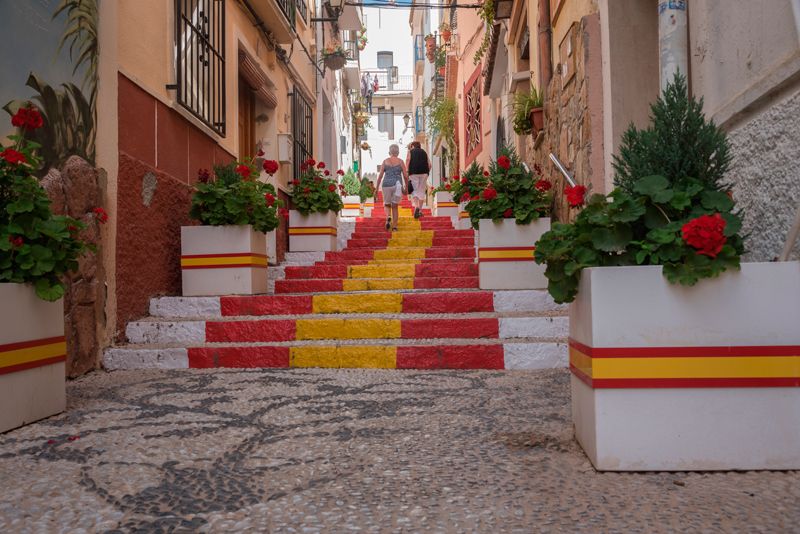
(386, 121)
(301, 130)
(200, 60)
(472, 116)
(302, 8)
(385, 60)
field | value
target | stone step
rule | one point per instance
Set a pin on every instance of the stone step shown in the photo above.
(393, 270)
(448, 354)
(371, 233)
(326, 285)
(410, 241)
(391, 261)
(531, 302)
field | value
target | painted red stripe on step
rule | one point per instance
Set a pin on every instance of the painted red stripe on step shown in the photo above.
(238, 357)
(266, 305)
(446, 269)
(250, 331)
(482, 301)
(449, 328)
(307, 286)
(457, 357)
(455, 282)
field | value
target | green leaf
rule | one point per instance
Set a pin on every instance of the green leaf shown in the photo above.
(45, 290)
(654, 218)
(656, 187)
(733, 223)
(716, 201)
(612, 239)
(680, 200)
(663, 235)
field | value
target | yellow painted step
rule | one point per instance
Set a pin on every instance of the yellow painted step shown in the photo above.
(411, 253)
(347, 329)
(372, 303)
(398, 270)
(348, 356)
(377, 284)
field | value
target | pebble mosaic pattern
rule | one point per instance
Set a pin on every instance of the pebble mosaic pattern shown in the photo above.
(339, 451)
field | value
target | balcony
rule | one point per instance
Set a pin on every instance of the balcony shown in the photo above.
(389, 81)
(279, 17)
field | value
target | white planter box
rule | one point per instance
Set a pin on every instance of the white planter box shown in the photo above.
(352, 206)
(462, 222)
(505, 254)
(272, 248)
(223, 260)
(444, 206)
(367, 207)
(312, 232)
(666, 377)
(32, 355)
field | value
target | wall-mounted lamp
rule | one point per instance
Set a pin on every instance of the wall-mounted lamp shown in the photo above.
(406, 119)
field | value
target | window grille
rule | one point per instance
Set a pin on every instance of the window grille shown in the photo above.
(302, 7)
(200, 60)
(472, 118)
(301, 130)
(287, 8)
(419, 48)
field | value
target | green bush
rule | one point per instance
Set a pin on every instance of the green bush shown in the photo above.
(351, 184)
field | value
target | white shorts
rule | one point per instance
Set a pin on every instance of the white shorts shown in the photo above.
(393, 194)
(420, 183)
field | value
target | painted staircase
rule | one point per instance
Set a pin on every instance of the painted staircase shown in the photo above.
(407, 299)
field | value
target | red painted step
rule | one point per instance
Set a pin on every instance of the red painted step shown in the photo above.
(330, 285)
(381, 232)
(340, 270)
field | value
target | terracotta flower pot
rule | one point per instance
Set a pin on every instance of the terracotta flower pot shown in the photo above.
(446, 34)
(537, 120)
(442, 71)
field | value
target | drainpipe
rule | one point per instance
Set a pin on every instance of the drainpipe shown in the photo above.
(545, 41)
(319, 82)
(673, 40)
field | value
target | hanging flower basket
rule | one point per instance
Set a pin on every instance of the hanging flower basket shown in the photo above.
(335, 61)
(430, 47)
(537, 120)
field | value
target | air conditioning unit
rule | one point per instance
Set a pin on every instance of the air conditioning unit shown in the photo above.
(285, 148)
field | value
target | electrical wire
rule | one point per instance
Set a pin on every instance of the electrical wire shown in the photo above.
(395, 5)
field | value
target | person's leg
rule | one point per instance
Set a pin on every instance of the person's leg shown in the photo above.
(387, 205)
(395, 215)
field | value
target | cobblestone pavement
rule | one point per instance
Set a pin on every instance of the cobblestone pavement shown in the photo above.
(337, 451)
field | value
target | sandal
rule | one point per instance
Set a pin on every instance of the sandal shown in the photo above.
(388, 223)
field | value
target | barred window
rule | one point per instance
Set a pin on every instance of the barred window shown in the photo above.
(472, 117)
(200, 60)
(302, 124)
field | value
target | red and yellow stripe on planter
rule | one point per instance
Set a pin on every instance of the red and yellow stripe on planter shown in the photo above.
(312, 232)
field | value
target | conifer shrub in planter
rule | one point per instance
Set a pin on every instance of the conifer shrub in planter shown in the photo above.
(316, 201)
(510, 213)
(681, 358)
(227, 254)
(351, 201)
(37, 250)
(366, 194)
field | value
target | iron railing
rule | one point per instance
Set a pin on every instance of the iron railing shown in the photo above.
(288, 9)
(302, 130)
(351, 49)
(200, 62)
(302, 7)
(387, 82)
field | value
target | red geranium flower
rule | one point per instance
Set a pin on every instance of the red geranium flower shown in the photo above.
(271, 166)
(475, 197)
(243, 171)
(260, 153)
(306, 190)
(101, 215)
(575, 195)
(13, 157)
(295, 182)
(332, 188)
(340, 172)
(28, 118)
(270, 199)
(311, 162)
(447, 187)
(508, 213)
(544, 185)
(464, 180)
(327, 172)
(303, 166)
(486, 173)
(489, 193)
(284, 212)
(203, 176)
(321, 165)
(16, 241)
(705, 233)
(455, 178)
(503, 162)
(465, 196)
(317, 179)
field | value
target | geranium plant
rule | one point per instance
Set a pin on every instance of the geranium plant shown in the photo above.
(36, 246)
(511, 192)
(685, 222)
(233, 196)
(314, 191)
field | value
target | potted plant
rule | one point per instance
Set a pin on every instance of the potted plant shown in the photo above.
(528, 113)
(444, 204)
(37, 250)
(334, 56)
(316, 201)
(445, 31)
(227, 254)
(510, 213)
(441, 61)
(366, 194)
(681, 358)
(430, 47)
(351, 200)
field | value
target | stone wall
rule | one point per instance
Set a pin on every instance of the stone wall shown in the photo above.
(573, 119)
(75, 190)
(765, 174)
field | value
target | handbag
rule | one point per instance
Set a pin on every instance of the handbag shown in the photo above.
(410, 187)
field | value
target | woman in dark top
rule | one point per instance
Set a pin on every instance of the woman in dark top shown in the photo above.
(419, 165)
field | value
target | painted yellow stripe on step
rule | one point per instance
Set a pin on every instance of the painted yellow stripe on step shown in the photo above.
(355, 357)
(376, 284)
(399, 253)
(347, 329)
(372, 303)
(399, 270)
(405, 261)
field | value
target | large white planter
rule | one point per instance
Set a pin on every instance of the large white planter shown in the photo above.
(352, 206)
(666, 377)
(462, 222)
(312, 232)
(444, 206)
(505, 254)
(223, 260)
(367, 207)
(32, 355)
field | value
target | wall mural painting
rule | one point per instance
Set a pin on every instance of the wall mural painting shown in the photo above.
(53, 66)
